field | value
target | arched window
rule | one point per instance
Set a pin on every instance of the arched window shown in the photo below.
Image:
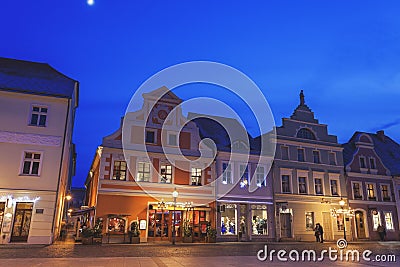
(306, 134)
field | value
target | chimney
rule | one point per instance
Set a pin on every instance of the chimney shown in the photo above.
(381, 135)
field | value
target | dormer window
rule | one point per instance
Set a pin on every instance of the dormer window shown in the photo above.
(305, 134)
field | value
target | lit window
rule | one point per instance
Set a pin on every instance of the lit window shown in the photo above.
(259, 220)
(166, 174)
(285, 184)
(260, 176)
(385, 192)
(318, 186)
(371, 191)
(389, 220)
(143, 173)
(32, 161)
(244, 180)
(357, 190)
(119, 171)
(310, 221)
(38, 116)
(334, 187)
(196, 176)
(228, 219)
(226, 174)
(116, 225)
(376, 219)
(302, 185)
(340, 222)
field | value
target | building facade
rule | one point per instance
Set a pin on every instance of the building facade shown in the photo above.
(37, 112)
(135, 182)
(308, 178)
(244, 195)
(370, 165)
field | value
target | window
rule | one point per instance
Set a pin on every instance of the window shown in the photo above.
(388, 220)
(340, 222)
(244, 172)
(371, 191)
(372, 163)
(302, 185)
(310, 221)
(260, 176)
(119, 171)
(116, 225)
(316, 156)
(172, 140)
(143, 174)
(362, 163)
(196, 176)
(228, 219)
(318, 186)
(38, 116)
(300, 154)
(259, 220)
(226, 174)
(32, 161)
(305, 134)
(285, 184)
(357, 190)
(166, 173)
(376, 219)
(285, 152)
(385, 192)
(334, 187)
(151, 137)
(332, 158)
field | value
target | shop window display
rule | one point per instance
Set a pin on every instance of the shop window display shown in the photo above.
(259, 220)
(228, 219)
(116, 225)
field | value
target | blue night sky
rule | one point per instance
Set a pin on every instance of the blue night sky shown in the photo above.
(345, 55)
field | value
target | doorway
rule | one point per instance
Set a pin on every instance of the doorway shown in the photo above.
(286, 225)
(160, 225)
(327, 225)
(360, 224)
(22, 222)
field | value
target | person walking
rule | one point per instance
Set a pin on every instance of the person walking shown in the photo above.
(321, 233)
(382, 232)
(317, 233)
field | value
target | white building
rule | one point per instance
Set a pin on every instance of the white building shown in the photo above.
(37, 112)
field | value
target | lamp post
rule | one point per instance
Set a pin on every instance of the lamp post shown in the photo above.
(68, 197)
(342, 210)
(174, 195)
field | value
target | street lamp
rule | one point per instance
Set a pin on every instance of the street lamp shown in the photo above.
(342, 210)
(174, 195)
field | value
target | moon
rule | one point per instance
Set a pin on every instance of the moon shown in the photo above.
(90, 2)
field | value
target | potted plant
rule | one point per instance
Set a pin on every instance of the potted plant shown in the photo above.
(87, 236)
(134, 233)
(98, 231)
(211, 234)
(187, 232)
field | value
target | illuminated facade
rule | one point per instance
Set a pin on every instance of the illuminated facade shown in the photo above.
(37, 110)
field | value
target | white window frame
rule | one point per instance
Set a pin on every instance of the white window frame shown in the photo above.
(313, 220)
(304, 154)
(389, 191)
(319, 156)
(298, 184)
(378, 216)
(191, 176)
(169, 135)
(322, 185)
(375, 193)
(369, 162)
(166, 164)
(31, 112)
(257, 174)
(126, 170)
(225, 178)
(137, 171)
(33, 160)
(361, 190)
(391, 220)
(155, 136)
(334, 158)
(365, 162)
(338, 186)
(242, 168)
(287, 172)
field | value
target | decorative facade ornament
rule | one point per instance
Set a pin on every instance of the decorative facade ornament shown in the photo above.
(29, 139)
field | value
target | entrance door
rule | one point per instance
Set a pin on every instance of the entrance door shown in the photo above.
(286, 227)
(327, 225)
(22, 222)
(360, 224)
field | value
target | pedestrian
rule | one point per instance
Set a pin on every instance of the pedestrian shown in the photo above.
(317, 233)
(321, 233)
(382, 232)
